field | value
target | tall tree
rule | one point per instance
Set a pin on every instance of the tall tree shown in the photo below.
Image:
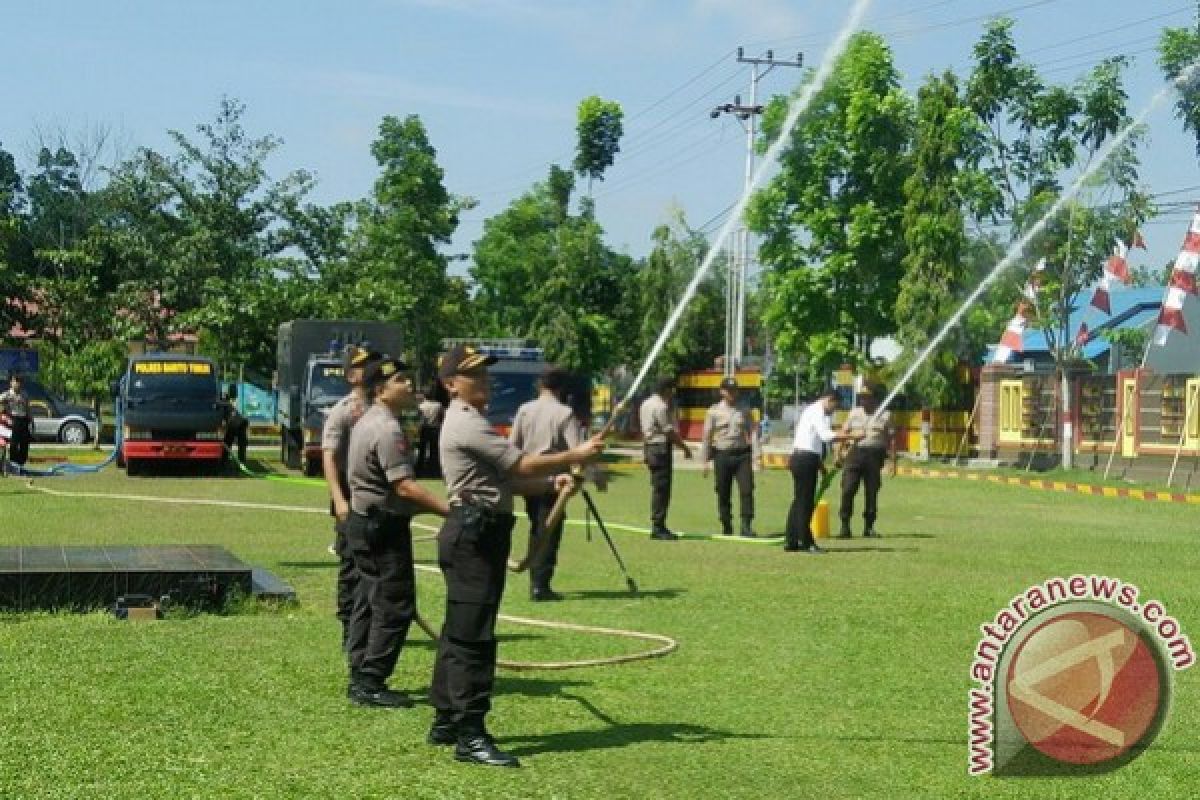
(946, 142)
(831, 220)
(1179, 52)
(11, 204)
(200, 232)
(401, 273)
(599, 130)
(657, 290)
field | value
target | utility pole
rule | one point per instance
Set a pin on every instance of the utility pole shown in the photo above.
(739, 266)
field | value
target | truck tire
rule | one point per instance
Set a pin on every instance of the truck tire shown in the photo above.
(133, 467)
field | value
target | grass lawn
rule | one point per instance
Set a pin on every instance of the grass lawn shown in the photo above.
(796, 676)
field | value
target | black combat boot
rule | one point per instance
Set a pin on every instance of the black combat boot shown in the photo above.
(845, 533)
(726, 527)
(748, 527)
(444, 730)
(369, 692)
(476, 746)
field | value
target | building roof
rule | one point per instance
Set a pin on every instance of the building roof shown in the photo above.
(1131, 308)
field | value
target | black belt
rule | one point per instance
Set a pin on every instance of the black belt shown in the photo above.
(734, 451)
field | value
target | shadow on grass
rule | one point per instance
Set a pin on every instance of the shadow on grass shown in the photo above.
(624, 594)
(615, 735)
(331, 564)
(862, 549)
(620, 735)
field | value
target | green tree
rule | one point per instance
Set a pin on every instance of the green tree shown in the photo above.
(831, 220)
(1036, 134)
(599, 130)
(657, 290)
(1179, 52)
(399, 271)
(199, 231)
(947, 141)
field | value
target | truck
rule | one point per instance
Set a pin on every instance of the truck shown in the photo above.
(170, 409)
(310, 379)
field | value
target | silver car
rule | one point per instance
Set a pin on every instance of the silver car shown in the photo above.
(56, 420)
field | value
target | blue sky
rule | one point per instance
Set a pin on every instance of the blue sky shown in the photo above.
(497, 83)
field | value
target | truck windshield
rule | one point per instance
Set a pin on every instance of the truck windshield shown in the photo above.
(144, 385)
(508, 390)
(327, 384)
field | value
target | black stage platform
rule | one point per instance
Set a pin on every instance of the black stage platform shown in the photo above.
(83, 578)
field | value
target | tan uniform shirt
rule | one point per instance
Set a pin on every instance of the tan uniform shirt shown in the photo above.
(878, 434)
(476, 460)
(335, 433)
(378, 457)
(15, 403)
(545, 425)
(727, 427)
(657, 420)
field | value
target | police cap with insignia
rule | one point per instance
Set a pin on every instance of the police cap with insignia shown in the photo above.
(382, 370)
(463, 358)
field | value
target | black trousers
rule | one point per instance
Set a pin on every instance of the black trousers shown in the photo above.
(237, 430)
(18, 446)
(658, 461)
(347, 588)
(730, 465)
(864, 465)
(473, 549)
(427, 452)
(385, 601)
(538, 508)
(805, 468)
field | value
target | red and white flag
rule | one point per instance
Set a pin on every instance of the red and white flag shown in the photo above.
(1138, 240)
(1182, 284)
(1116, 272)
(1013, 340)
(1082, 337)
(5, 430)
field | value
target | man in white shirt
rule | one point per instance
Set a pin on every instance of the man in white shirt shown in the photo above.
(813, 432)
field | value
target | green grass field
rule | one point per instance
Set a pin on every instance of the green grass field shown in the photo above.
(797, 676)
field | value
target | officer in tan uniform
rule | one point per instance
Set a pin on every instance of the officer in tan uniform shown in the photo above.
(864, 463)
(431, 412)
(482, 471)
(659, 436)
(335, 448)
(545, 425)
(384, 496)
(16, 404)
(730, 439)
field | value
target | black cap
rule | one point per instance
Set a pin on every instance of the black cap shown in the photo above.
(462, 358)
(381, 370)
(730, 384)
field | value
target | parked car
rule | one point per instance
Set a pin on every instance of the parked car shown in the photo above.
(55, 420)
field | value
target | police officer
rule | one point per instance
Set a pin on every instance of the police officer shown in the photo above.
(431, 412)
(864, 463)
(732, 436)
(384, 495)
(16, 403)
(237, 427)
(659, 435)
(335, 447)
(545, 425)
(482, 471)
